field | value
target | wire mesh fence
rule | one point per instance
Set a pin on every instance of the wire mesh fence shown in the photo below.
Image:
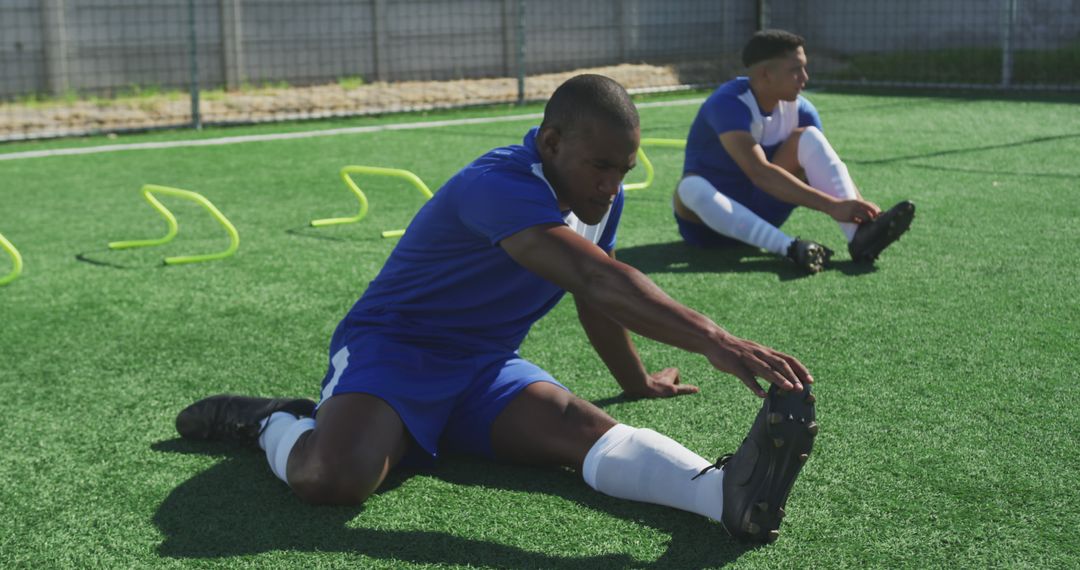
(969, 44)
(85, 66)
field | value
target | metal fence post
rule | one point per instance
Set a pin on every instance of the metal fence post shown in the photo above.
(196, 118)
(378, 38)
(232, 50)
(55, 39)
(521, 51)
(1008, 24)
(762, 14)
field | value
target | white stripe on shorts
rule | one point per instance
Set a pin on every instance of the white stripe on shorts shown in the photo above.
(338, 362)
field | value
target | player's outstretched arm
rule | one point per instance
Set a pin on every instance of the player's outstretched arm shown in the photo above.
(628, 297)
(613, 344)
(783, 185)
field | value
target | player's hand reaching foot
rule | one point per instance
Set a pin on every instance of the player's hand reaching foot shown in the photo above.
(854, 211)
(748, 360)
(663, 384)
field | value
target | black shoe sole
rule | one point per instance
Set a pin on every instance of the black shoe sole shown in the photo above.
(895, 227)
(817, 261)
(783, 434)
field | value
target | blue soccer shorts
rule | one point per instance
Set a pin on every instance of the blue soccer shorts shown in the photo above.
(448, 400)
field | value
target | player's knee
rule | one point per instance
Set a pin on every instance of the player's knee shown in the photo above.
(699, 195)
(813, 146)
(586, 419)
(334, 482)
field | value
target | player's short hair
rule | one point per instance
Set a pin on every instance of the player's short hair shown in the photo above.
(589, 96)
(768, 44)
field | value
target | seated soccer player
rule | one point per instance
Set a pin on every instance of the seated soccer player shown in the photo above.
(427, 360)
(756, 150)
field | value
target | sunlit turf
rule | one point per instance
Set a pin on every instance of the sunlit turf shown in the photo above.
(946, 374)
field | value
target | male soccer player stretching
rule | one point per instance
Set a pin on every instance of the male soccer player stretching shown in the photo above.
(756, 151)
(426, 361)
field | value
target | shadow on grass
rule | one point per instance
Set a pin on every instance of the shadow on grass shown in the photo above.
(112, 258)
(965, 150)
(678, 257)
(307, 231)
(237, 508)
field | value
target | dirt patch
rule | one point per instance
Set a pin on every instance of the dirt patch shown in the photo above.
(26, 121)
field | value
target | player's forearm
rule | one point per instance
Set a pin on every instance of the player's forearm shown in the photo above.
(783, 185)
(629, 298)
(613, 344)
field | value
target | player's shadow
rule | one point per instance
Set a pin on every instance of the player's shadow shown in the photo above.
(678, 257)
(237, 508)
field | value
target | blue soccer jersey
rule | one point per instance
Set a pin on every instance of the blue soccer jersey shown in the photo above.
(732, 107)
(449, 284)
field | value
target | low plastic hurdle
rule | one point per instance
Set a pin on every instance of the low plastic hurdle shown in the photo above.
(16, 259)
(148, 192)
(650, 173)
(346, 173)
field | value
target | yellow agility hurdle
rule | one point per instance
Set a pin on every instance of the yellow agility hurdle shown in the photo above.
(148, 192)
(650, 173)
(372, 171)
(664, 143)
(15, 259)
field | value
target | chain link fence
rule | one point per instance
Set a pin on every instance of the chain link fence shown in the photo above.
(73, 67)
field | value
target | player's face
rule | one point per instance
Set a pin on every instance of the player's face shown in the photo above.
(788, 75)
(587, 165)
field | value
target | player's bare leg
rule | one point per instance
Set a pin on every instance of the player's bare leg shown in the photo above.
(357, 440)
(547, 425)
(341, 459)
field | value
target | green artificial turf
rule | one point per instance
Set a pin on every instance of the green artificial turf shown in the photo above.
(946, 375)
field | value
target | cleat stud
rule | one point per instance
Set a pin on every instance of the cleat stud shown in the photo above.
(804, 457)
(810, 399)
(753, 528)
(762, 506)
(775, 418)
(812, 428)
(773, 535)
(778, 442)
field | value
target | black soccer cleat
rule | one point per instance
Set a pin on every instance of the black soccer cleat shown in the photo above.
(809, 255)
(874, 236)
(759, 476)
(234, 418)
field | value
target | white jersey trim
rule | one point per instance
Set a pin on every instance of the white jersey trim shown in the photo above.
(589, 232)
(773, 129)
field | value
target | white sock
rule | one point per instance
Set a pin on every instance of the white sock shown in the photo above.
(826, 172)
(279, 435)
(730, 218)
(642, 465)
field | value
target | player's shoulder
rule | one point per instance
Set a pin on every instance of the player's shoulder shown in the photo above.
(730, 96)
(805, 104)
(736, 86)
(513, 164)
(807, 113)
(731, 90)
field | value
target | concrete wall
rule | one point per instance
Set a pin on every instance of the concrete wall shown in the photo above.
(106, 46)
(846, 26)
(109, 46)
